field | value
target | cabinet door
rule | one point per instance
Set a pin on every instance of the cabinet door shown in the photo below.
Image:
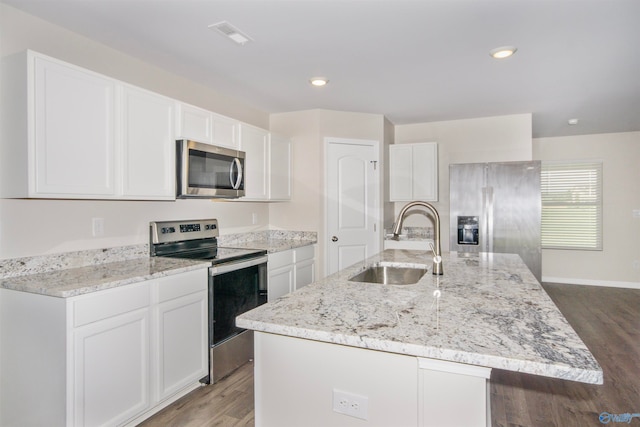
(280, 168)
(280, 282)
(148, 145)
(225, 131)
(111, 369)
(254, 142)
(205, 126)
(195, 123)
(305, 273)
(400, 173)
(425, 172)
(182, 342)
(73, 153)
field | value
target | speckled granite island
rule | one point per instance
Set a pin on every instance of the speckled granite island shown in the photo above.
(409, 355)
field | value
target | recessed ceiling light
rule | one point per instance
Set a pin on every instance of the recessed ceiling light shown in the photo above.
(572, 121)
(228, 30)
(502, 52)
(318, 81)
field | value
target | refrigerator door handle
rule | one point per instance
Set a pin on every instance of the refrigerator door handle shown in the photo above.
(489, 218)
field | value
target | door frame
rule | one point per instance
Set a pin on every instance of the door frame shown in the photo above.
(377, 204)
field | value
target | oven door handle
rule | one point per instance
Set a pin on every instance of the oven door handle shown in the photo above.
(238, 265)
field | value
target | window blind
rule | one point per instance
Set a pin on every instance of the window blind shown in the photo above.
(571, 205)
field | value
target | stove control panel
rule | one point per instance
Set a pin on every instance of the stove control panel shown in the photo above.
(177, 231)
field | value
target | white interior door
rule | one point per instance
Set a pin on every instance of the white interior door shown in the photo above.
(352, 202)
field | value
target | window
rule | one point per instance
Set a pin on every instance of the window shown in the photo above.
(572, 205)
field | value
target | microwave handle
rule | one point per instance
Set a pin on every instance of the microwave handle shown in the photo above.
(237, 166)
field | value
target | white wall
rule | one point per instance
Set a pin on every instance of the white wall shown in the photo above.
(35, 227)
(618, 264)
(308, 130)
(488, 139)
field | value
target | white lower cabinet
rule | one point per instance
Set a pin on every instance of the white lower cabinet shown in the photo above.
(304, 263)
(129, 352)
(180, 359)
(281, 274)
(290, 270)
(111, 369)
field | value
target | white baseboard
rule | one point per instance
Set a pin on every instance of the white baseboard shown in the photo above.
(606, 283)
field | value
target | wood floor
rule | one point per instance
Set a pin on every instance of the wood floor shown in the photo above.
(607, 320)
(227, 403)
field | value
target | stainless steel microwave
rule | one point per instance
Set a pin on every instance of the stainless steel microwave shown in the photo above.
(208, 171)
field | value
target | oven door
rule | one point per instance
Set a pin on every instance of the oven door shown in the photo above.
(207, 171)
(234, 288)
(237, 287)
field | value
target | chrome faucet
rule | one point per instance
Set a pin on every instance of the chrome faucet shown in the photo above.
(437, 251)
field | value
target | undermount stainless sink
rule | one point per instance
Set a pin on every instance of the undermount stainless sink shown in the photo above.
(389, 274)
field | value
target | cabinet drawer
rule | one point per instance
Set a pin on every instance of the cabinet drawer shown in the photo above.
(280, 259)
(304, 253)
(109, 303)
(178, 285)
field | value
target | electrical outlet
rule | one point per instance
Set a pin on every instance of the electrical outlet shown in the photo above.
(97, 227)
(351, 404)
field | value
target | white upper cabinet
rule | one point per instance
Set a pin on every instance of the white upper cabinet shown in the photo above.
(255, 143)
(79, 134)
(71, 133)
(225, 131)
(201, 125)
(148, 148)
(413, 172)
(73, 146)
(280, 168)
(267, 168)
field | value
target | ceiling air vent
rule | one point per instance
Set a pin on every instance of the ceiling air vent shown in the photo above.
(231, 32)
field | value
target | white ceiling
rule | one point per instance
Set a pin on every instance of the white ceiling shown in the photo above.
(412, 61)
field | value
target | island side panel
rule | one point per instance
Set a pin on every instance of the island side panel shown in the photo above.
(453, 394)
(295, 381)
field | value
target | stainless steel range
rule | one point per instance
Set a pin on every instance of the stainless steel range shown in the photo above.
(237, 283)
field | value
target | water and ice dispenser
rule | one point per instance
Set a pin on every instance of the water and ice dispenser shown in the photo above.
(468, 230)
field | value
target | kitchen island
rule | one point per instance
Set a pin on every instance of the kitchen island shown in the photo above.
(408, 355)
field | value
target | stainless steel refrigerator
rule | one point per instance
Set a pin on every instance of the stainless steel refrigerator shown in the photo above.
(496, 207)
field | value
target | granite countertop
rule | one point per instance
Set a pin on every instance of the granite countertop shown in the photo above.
(75, 273)
(491, 311)
(71, 282)
(273, 245)
(271, 240)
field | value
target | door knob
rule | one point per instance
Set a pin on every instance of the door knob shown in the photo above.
(334, 239)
